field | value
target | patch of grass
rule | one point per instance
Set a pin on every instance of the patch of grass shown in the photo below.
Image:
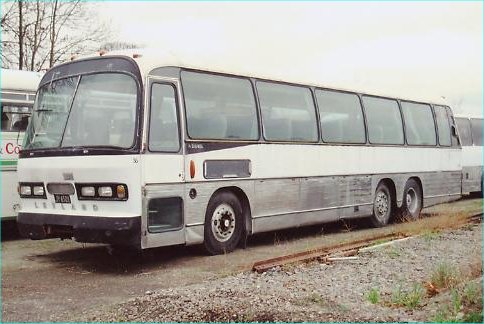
(445, 275)
(343, 308)
(470, 294)
(464, 306)
(394, 252)
(373, 296)
(473, 317)
(456, 301)
(409, 299)
(380, 241)
(316, 299)
(443, 316)
(430, 235)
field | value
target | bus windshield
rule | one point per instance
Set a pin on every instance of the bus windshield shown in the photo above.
(84, 111)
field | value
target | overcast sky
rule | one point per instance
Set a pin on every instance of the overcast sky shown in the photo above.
(411, 50)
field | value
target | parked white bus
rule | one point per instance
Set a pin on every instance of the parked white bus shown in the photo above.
(155, 151)
(17, 98)
(470, 133)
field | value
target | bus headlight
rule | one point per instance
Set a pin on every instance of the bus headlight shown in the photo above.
(32, 190)
(25, 191)
(105, 192)
(102, 191)
(88, 192)
(38, 190)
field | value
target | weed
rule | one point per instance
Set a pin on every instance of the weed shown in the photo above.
(460, 300)
(414, 297)
(456, 301)
(470, 294)
(445, 276)
(444, 316)
(316, 299)
(410, 299)
(373, 296)
(343, 308)
(473, 317)
(397, 295)
(380, 241)
(394, 252)
(430, 235)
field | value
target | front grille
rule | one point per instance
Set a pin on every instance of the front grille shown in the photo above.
(60, 188)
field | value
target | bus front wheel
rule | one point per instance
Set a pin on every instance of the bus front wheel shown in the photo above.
(223, 223)
(382, 206)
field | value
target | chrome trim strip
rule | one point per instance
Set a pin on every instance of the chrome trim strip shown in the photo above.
(194, 224)
(444, 195)
(311, 210)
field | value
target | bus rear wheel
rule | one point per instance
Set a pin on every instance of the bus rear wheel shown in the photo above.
(223, 223)
(382, 206)
(412, 200)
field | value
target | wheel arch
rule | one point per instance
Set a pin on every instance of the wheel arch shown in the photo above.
(419, 182)
(391, 186)
(244, 202)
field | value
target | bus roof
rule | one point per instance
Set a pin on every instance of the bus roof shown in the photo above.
(468, 116)
(151, 58)
(20, 80)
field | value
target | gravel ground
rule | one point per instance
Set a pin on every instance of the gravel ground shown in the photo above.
(319, 292)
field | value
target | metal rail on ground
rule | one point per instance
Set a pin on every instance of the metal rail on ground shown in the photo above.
(342, 249)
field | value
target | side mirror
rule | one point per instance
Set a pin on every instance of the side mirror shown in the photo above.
(454, 130)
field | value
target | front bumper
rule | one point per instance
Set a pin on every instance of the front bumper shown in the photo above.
(88, 229)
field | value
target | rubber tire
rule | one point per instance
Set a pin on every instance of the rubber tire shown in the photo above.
(375, 221)
(405, 214)
(212, 245)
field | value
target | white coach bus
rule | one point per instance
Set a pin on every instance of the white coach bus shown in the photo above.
(470, 133)
(156, 150)
(17, 98)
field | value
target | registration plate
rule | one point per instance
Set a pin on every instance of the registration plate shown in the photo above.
(62, 199)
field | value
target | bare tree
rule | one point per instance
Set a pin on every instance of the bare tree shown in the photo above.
(39, 34)
(7, 24)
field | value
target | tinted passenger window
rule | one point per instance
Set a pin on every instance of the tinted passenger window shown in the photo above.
(288, 112)
(442, 125)
(341, 117)
(384, 120)
(419, 124)
(219, 107)
(464, 128)
(15, 117)
(163, 134)
(476, 125)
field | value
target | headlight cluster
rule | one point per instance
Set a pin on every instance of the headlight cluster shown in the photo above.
(102, 191)
(31, 190)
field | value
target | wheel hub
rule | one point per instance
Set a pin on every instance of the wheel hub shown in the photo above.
(381, 204)
(411, 200)
(223, 222)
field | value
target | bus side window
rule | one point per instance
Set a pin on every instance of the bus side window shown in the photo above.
(288, 112)
(384, 120)
(419, 124)
(341, 117)
(219, 107)
(443, 126)
(464, 128)
(476, 127)
(453, 133)
(163, 135)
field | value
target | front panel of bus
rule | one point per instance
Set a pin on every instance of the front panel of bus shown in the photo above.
(79, 170)
(16, 109)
